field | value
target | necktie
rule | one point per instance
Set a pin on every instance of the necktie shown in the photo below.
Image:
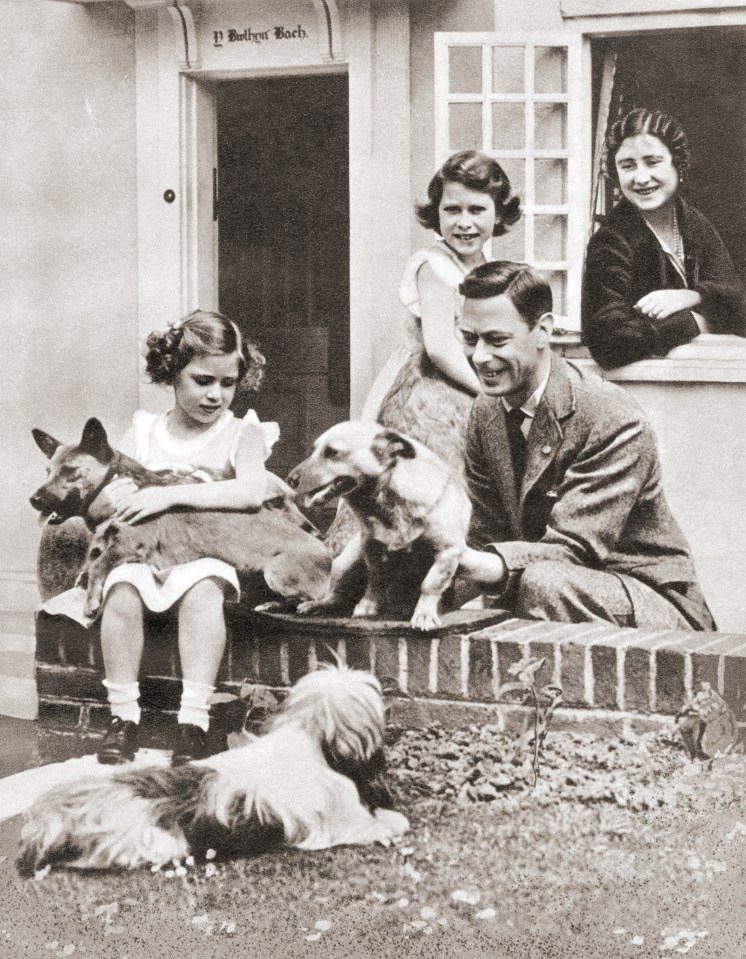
(514, 418)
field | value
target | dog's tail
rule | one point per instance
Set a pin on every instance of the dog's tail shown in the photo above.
(143, 816)
(121, 822)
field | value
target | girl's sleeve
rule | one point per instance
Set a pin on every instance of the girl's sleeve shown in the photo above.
(269, 432)
(442, 265)
(134, 443)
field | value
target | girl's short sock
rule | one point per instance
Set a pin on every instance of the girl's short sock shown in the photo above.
(123, 700)
(195, 704)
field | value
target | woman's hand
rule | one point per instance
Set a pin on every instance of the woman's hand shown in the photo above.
(114, 495)
(145, 503)
(660, 304)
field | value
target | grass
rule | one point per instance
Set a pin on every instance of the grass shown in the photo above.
(623, 848)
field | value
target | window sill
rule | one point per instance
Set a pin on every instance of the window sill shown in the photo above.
(709, 359)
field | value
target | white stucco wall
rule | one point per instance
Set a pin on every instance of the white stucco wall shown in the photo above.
(68, 305)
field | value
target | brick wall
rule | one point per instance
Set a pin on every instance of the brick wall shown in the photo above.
(607, 674)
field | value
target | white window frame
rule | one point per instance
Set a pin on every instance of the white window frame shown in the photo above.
(573, 153)
(708, 359)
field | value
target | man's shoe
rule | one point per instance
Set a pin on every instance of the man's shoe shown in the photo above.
(191, 744)
(119, 744)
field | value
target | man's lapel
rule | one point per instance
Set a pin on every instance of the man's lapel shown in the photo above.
(546, 434)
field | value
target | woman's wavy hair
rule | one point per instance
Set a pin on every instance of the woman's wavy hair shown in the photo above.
(476, 171)
(654, 122)
(201, 333)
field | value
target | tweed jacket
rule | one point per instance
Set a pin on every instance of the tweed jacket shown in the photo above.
(591, 493)
(625, 261)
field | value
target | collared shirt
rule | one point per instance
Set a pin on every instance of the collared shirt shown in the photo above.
(530, 406)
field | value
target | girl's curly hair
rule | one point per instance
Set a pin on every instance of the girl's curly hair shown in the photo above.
(476, 171)
(201, 333)
(654, 122)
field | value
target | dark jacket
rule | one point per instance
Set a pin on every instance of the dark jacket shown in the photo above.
(591, 492)
(624, 262)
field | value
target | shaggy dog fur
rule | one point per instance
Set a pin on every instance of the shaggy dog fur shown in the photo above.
(276, 539)
(312, 781)
(411, 510)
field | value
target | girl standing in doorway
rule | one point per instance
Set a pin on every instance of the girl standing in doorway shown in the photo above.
(426, 388)
(657, 273)
(203, 359)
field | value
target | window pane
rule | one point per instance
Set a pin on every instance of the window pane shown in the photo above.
(550, 126)
(507, 70)
(511, 245)
(508, 126)
(550, 182)
(465, 69)
(550, 237)
(465, 131)
(558, 283)
(550, 70)
(515, 170)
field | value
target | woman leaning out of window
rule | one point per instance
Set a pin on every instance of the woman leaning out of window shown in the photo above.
(657, 273)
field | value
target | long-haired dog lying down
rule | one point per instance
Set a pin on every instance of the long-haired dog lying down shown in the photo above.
(314, 780)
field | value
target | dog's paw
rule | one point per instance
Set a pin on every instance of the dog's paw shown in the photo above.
(425, 617)
(273, 606)
(391, 825)
(367, 607)
(315, 607)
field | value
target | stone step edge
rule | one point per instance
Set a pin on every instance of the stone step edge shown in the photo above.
(593, 664)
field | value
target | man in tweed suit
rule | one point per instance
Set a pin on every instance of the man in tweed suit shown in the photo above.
(564, 475)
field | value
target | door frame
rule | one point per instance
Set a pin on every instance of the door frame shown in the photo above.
(177, 251)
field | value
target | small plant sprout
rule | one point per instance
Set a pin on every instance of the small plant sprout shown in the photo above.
(544, 701)
(707, 725)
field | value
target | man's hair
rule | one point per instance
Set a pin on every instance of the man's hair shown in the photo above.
(526, 289)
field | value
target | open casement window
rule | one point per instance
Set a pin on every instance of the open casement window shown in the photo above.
(517, 97)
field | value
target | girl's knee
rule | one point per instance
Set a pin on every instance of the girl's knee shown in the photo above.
(205, 593)
(122, 600)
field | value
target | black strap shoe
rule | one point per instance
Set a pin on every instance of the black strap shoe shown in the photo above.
(191, 744)
(119, 744)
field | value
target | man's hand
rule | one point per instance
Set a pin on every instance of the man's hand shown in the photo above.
(660, 304)
(145, 503)
(484, 567)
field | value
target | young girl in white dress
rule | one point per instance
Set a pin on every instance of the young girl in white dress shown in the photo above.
(204, 360)
(426, 387)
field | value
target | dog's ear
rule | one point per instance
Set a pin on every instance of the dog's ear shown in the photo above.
(390, 445)
(95, 441)
(46, 443)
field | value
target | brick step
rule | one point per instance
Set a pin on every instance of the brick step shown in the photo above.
(612, 671)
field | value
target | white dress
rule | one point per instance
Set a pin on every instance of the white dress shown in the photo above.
(450, 271)
(411, 395)
(149, 442)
